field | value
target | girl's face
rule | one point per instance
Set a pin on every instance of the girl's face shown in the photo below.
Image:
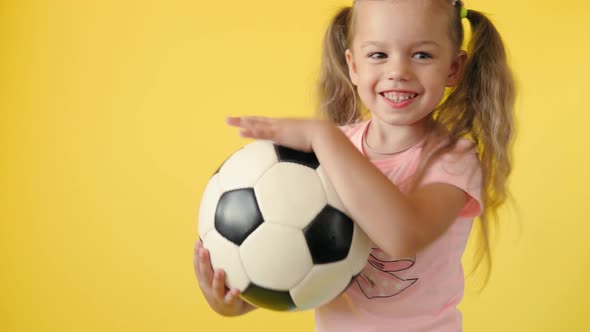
(402, 58)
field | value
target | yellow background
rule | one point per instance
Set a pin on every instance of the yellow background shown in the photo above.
(112, 122)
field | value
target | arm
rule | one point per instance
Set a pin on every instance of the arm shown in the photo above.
(400, 225)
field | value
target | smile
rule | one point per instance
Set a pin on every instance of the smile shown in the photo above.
(398, 97)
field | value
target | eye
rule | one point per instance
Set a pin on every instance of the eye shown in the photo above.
(377, 55)
(422, 55)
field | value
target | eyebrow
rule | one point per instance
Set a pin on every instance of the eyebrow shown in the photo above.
(378, 44)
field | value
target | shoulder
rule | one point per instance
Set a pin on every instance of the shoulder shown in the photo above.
(353, 129)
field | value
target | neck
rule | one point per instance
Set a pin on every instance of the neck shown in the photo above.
(383, 139)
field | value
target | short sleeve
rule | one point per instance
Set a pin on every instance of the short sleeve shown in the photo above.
(347, 130)
(461, 168)
(353, 131)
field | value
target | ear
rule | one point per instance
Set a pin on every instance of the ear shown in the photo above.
(457, 67)
(352, 71)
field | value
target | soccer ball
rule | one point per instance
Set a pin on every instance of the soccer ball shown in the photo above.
(272, 220)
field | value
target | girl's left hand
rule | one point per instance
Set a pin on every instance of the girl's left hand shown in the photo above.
(296, 134)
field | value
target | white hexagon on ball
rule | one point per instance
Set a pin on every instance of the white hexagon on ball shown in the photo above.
(208, 206)
(332, 196)
(276, 256)
(247, 165)
(323, 283)
(290, 194)
(226, 255)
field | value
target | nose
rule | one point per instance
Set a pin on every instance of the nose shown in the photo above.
(398, 68)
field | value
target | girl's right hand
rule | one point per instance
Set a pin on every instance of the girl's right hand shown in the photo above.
(212, 283)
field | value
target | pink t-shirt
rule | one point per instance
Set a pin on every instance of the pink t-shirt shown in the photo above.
(419, 293)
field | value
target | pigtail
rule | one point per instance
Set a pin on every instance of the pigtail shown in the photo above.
(481, 107)
(337, 95)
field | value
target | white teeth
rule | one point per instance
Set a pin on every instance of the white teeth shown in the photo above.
(399, 97)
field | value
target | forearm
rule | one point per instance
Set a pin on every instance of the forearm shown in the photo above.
(373, 201)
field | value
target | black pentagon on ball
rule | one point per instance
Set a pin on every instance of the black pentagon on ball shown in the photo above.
(286, 154)
(237, 215)
(268, 298)
(329, 235)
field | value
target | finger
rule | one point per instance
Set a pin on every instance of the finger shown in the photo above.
(248, 121)
(259, 132)
(198, 247)
(231, 296)
(260, 119)
(196, 260)
(219, 284)
(205, 269)
(254, 126)
(233, 121)
(247, 133)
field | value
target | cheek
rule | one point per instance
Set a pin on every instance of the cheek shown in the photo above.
(368, 78)
(437, 81)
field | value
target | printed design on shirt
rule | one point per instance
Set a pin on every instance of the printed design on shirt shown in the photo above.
(378, 279)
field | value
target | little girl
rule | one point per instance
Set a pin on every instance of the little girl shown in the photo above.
(416, 172)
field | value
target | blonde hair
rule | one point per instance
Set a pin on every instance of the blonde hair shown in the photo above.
(480, 107)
